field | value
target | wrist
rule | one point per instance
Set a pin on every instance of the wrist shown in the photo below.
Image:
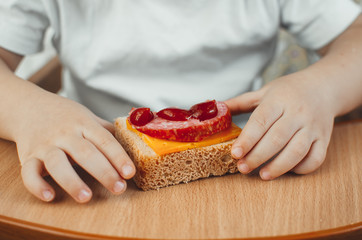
(339, 87)
(18, 102)
(324, 92)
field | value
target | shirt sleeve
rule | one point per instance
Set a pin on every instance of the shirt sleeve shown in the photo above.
(22, 25)
(315, 23)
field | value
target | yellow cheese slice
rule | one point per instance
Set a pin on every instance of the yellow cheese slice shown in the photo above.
(161, 146)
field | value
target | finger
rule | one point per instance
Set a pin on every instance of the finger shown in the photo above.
(273, 142)
(86, 155)
(264, 116)
(107, 125)
(112, 149)
(246, 102)
(31, 174)
(58, 166)
(291, 155)
(314, 159)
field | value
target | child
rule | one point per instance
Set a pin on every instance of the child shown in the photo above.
(118, 54)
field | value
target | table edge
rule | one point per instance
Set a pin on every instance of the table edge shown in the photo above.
(35, 229)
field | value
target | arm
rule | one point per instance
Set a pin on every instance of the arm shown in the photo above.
(294, 115)
(342, 59)
(48, 129)
(8, 63)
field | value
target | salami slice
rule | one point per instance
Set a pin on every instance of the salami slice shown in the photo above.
(192, 130)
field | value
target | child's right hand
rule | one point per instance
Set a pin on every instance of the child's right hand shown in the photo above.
(55, 130)
(49, 130)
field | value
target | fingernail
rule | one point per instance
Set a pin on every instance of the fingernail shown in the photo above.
(83, 195)
(243, 167)
(119, 187)
(265, 175)
(237, 152)
(47, 195)
(127, 170)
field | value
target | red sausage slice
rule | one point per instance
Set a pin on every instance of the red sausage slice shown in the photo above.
(192, 130)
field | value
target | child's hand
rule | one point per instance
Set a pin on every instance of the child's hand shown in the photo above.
(293, 120)
(57, 129)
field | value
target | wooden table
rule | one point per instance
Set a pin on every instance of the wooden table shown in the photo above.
(325, 205)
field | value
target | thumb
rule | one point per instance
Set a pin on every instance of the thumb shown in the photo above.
(243, 103)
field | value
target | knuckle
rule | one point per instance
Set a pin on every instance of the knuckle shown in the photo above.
(118, 160)
(52, 160)
(259, 121)
(254, 160)
(300, 149)
(25, 166)
(246, 142)
(105, 142)
(240, 141)
(277, 140)
(116, 155)
(79, 145)
(108, 177)
(70, 184)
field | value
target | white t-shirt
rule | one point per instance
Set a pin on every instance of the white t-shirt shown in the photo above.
(122, 54)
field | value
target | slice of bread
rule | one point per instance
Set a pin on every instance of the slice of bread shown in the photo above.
(154, 171)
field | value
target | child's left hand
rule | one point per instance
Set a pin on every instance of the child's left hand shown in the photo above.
(293, 120)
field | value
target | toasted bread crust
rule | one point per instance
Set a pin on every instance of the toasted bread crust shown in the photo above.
(154, 171)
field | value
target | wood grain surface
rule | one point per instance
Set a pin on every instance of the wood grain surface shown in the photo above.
(326, 204)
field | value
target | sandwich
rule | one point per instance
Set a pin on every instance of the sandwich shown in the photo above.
(175, 146)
